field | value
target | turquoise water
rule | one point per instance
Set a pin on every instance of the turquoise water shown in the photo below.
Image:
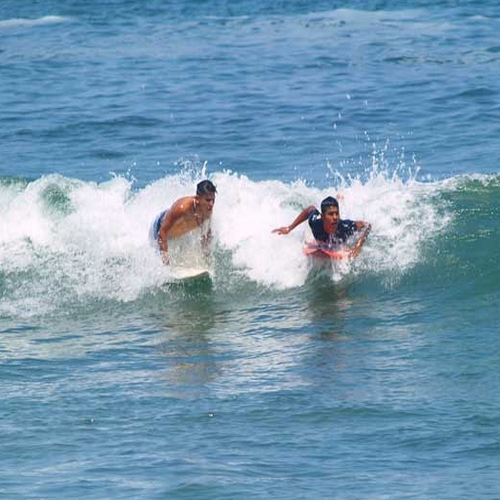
(377, 379)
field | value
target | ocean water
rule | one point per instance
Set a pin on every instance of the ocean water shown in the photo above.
(377, 379)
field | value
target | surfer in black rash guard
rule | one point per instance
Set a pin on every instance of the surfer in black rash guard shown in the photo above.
(185, 215)
(328, 228)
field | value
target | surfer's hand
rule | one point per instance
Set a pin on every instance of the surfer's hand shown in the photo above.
(282, 230)
(164, 258)
(354, 251)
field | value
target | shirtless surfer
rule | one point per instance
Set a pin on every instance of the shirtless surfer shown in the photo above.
(328, 228)
(185, 215)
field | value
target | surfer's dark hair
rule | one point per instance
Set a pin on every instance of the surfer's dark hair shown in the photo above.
(205, 187)
(328, 202)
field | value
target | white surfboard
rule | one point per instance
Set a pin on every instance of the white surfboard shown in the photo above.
(189, 273)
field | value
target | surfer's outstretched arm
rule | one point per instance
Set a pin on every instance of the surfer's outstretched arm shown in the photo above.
(302, 217)
(356, 249)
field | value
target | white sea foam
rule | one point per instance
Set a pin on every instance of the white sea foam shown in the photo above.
(62, 238)
(21, 22)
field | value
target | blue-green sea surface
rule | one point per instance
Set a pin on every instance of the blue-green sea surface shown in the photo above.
(275, 377)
